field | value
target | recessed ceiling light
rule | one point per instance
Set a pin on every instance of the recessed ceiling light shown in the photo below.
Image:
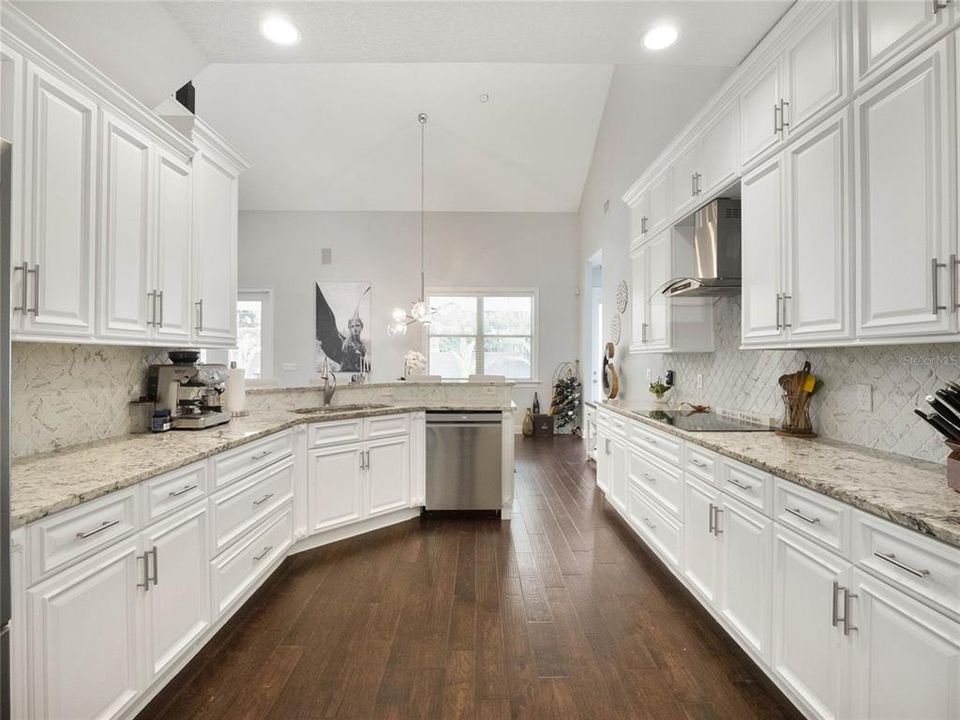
(660, 37)
(280, 31)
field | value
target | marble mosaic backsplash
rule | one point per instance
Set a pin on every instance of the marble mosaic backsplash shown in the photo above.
(66, 395)
(901, 375)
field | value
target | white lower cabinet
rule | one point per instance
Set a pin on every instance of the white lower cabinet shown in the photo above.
(388, 476)
(906, 657)
(809, 653)
(84, 644)
(604, 449)
(700, 545)
(334, 487)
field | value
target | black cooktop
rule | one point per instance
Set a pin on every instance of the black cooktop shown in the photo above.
(704, 422)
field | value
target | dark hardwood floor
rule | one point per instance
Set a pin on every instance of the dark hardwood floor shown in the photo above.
(559, 613)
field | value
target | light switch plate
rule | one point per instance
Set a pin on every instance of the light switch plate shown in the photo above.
(863, 397)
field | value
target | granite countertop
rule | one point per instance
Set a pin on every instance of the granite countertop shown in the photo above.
(908, 492)
(44, 484)
(267, 390)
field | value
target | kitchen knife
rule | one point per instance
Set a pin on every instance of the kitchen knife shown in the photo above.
(944, 412)
(951, 400)
(938, 424)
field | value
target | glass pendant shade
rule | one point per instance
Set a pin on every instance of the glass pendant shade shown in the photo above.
(399, 315)
(420, 311)
(396, 329)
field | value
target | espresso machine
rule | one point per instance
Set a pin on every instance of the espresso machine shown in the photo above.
(191, 392)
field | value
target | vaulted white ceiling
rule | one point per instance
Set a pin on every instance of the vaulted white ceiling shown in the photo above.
(330, 124)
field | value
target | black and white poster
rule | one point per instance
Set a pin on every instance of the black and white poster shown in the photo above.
(343, 326)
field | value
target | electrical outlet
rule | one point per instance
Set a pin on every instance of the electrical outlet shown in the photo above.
(863, 398)
(699, 383)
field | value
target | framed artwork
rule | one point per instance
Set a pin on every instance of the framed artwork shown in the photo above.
(343, 326)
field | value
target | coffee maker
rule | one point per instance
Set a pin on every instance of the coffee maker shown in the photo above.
(191, 392)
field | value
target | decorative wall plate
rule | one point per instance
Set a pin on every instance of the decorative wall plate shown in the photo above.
(622, 294)
(615, 327)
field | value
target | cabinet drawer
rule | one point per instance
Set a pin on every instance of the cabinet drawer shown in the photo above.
(175, 490)
(69, 535)
(663, 446)
(700, 462)
(811, 514)
(662, 533)
(234, 464)
(386, 426)
(618, 425)
(753, 486)
(923, 567)
(241, 506)
(663, 483)
(335, 433)
(235, 571)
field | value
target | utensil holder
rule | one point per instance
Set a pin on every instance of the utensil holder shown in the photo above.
(796, 416)
(953, 466)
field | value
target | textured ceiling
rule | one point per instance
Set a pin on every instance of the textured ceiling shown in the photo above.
(346, 137)
(712, 32)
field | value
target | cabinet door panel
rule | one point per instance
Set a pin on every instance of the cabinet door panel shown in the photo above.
(618, 475)
(746, 573)
(335, 487)
(178, 603)
(819, 303)
(683, 193)
(808, 650)
(657, 307)
(61, 178)
(126, 268)
(603, 460)
(13, 102)
(658, 203)
(758, 125)
(174, 229)
(890, 29)
(816, 70)
(906, 657)
(721, 157)
(699, 543)
(762, 242)
(903, 198)
(85, 647)
(639, 290)
(388, 475)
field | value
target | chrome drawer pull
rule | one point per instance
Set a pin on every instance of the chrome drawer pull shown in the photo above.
(262, 500)
(741, 485)
(156, 567)
(146, 572)
(835, 615)
(181, 491)
(648, 478)
(892, 559)
(261, 556)
(696, 462)
(260, 456)
(103, 526)
(646, 521)
(711, 519)
(806, 518)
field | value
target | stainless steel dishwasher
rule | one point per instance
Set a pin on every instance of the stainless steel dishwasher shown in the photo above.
(464, 467)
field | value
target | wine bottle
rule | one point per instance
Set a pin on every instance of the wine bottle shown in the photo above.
(536, 404)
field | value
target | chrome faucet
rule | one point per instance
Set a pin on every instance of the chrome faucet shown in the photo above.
(329, 382)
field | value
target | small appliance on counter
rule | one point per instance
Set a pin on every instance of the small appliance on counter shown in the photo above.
(193, 393)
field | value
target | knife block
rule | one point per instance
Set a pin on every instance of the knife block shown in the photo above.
(953, 466)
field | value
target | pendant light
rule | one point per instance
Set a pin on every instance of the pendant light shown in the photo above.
(420, 311)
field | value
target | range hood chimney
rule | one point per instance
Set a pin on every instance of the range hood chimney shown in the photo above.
(716, 253)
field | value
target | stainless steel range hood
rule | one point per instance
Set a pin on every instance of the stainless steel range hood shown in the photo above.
(716, 253)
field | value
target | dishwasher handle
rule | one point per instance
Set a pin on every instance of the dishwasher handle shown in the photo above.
(448, 419)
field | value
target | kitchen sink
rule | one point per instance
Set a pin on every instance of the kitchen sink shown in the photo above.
(324, 409)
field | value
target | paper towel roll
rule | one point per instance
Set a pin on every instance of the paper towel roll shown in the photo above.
(235, 396)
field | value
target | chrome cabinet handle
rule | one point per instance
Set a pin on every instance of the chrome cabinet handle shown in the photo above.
(698, 188)
(741, 485)
(711, 524)
(364, 467)
(694, 461)
(181, 491)
(779, 300)
(835, 614)
(260, 455)
(261, 556)
(607, 440)
(199, 304)
(368, 459)
(262, 500)
(643, 225)
(784, 104)
(776, 119)
(643, 332)
(785, 324)
(954, 281)
(847, 597)
(935, 266)
(160, 305)
(717, 510)
(892, 559)
(806, 518)
(152, 298)
(938, 6)
(145, 584)
(106, 524)
(646, 521)
(156, 566)
(648, 478)
(35, 310)
(23, 307)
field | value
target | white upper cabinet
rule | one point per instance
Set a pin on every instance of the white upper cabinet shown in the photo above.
(658, 266)
(652, 209)
(215, 252)
(124, 287)
(907, 278)
(890, 30)
(761, 253)
(60, 177)
(817, 69)
(818, 303)
(174, 220)
(719, 156)
(760, 112)
(12, 80)
(686, 178)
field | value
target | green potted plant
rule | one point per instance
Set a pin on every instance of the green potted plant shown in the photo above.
(659, 389)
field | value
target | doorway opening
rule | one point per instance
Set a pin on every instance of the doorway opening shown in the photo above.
(595, 275)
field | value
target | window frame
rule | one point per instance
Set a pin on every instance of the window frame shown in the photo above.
(480, 293)
(222, 355)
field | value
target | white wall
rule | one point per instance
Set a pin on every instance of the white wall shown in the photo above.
(281, 251)
(644, 111)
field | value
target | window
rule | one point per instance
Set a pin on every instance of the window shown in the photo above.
(254, 351)
(483, 333)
